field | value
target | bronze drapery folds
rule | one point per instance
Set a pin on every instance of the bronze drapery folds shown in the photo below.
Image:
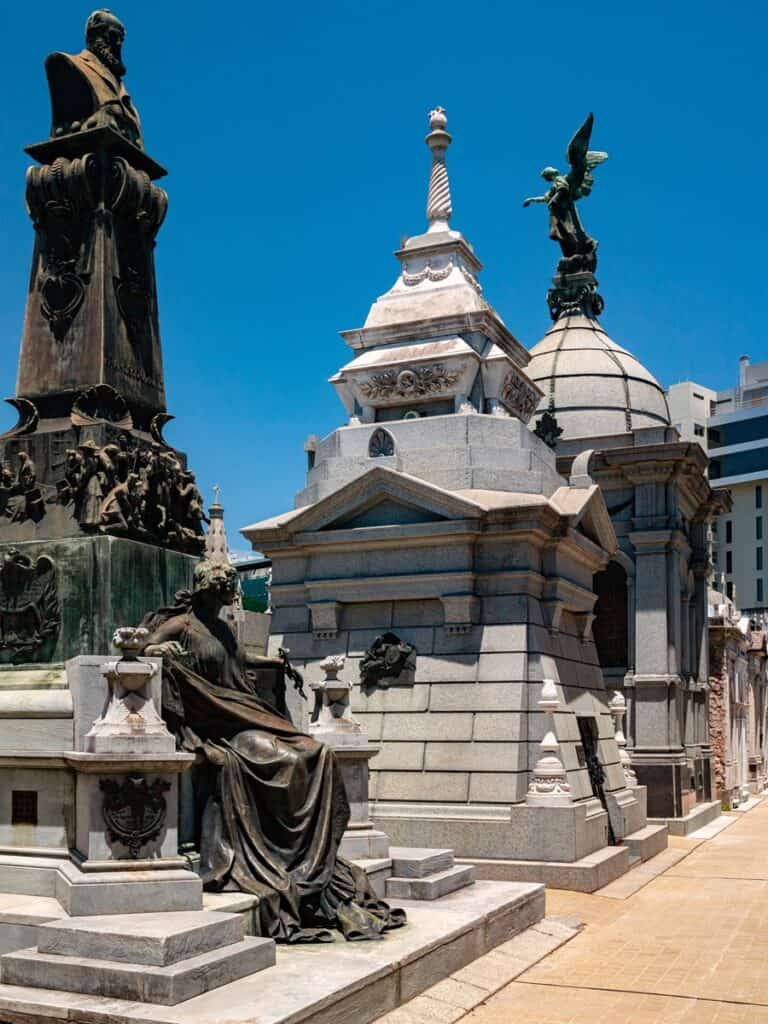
(271, 805)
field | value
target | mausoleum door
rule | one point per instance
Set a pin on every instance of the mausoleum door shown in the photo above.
(588, 732)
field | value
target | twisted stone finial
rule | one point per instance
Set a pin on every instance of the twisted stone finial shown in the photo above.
(439, 208)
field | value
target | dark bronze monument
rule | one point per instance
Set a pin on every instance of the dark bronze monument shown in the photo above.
(88, 485)
(270, 807)
(575, 285)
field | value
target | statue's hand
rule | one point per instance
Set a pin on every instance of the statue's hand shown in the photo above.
(169, 648)
(527, 202)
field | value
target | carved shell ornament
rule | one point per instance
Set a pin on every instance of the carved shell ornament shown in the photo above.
(382, 444)
(411, 382)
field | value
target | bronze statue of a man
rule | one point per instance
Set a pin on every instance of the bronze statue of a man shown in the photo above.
(87, 88)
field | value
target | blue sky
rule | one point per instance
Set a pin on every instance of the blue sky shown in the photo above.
(294, 138)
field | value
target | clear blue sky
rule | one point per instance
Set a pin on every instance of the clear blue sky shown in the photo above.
(294, 138)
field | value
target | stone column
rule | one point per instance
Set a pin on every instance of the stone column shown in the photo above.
(658, 755)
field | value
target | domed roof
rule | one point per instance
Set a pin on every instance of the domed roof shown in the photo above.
(593, 386)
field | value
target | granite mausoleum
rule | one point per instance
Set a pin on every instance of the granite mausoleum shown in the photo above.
(603, 411)
(439, 549)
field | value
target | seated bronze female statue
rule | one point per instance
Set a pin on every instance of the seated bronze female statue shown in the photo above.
(274, 805)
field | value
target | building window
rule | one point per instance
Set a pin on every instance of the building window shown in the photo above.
(758, 527)
(729, 561)
(698, 430)
(759, 496)
(729, 531)
(760, 590)
(759, 559)
(23, 807)
(714, 556)
(729, 590)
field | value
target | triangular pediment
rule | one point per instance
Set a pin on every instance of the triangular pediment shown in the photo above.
(587, 512)
(383, 497)
(386, 512)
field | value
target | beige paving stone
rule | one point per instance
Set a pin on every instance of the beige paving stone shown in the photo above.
(688, 947)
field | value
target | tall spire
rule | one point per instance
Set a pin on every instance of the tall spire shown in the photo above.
(439, 208)
(216, 547)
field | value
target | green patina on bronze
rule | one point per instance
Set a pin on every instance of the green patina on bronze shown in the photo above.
(575, 285)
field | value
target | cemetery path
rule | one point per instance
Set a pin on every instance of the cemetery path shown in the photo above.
(691, 947)
(682, 939)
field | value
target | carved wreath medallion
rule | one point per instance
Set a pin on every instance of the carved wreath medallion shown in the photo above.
(411, 382)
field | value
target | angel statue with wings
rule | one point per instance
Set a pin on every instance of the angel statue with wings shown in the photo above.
(565, 227)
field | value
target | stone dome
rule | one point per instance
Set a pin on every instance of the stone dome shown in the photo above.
(593, 386)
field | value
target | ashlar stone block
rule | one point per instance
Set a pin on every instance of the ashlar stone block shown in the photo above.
(479, 696)
(476, 757)
(429, 726)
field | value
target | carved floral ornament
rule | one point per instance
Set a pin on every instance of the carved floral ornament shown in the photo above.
(433, 273)
(411, 382)
(518, 395)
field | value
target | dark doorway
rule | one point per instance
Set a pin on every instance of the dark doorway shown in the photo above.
(611, 626)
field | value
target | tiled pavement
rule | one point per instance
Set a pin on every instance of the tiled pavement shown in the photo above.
(689, 946)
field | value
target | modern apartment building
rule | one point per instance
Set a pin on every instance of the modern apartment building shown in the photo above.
(690, 407)
(735, 436)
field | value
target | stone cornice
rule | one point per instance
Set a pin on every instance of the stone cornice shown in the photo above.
(484, 321)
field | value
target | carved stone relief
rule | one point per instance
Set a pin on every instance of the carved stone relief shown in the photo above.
(518, 395)
(411, 382)
(30, 617)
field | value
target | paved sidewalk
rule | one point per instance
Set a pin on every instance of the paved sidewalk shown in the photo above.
(690, 947)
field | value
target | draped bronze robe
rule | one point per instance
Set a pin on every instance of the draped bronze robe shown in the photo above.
(275, 804)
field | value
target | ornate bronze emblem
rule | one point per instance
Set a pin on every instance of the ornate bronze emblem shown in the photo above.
(134, 810)
(389, 661)
(30, 617)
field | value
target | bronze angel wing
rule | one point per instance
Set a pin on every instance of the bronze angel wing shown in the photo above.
(580, 157)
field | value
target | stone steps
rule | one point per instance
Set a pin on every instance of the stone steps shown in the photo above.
(702, 814)
(647, 842)
(425, 874)
(164, 958)
(378, 869)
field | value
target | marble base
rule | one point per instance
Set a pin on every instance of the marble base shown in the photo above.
(702, 814)
(338, 983)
